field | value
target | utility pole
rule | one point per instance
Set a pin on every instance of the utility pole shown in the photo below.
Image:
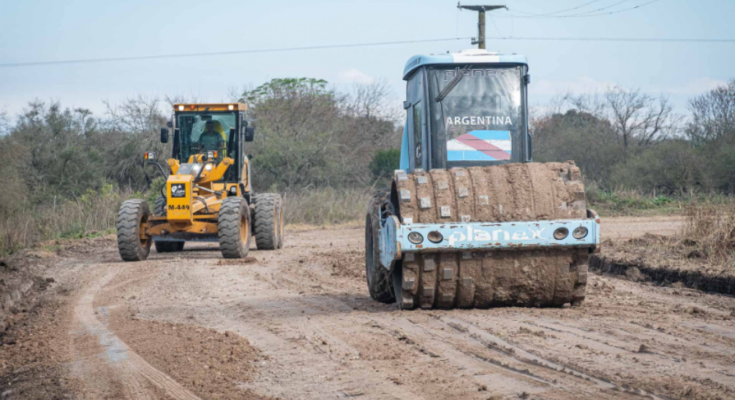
(480, 40)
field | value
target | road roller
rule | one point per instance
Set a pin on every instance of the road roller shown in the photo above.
(469, 220)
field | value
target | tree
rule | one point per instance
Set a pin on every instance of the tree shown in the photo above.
(309, 135)
(639, 118)
(713, 115)
(576, 135)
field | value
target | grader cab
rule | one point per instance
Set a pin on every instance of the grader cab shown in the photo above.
(208, 193)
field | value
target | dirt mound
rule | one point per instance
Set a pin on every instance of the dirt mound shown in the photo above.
(687, 258)
(237, 261)
(639, 271)
(21, 285)
(33, 341)
(209, 363)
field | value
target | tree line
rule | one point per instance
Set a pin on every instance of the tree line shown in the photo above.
(628, 139)
(310, 135)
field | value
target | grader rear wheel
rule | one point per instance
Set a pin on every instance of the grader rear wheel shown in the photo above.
(132, 241)
(280, 223)
(234, 228)
(268, 224)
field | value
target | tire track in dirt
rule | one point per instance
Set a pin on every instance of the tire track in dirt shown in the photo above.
(307, 309)
(514, 351)
(120, 363)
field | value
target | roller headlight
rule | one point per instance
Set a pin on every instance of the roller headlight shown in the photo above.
(580, 232)
(415, 237)
(435, 236)
(561, 233)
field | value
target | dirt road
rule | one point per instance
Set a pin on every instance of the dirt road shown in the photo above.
(143, 330)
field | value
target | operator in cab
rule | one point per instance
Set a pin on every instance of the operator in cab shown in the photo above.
(211, 138)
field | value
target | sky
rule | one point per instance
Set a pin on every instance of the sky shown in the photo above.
(35, 30)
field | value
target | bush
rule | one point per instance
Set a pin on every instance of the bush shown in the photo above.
(385, 162)
(325, 206)
(89, 214)
(668, 167)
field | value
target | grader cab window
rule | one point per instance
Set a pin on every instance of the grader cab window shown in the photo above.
(199, 133)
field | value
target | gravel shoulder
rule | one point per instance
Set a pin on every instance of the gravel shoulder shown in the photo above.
(298, 323)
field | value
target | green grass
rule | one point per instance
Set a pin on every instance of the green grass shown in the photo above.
(616, 203)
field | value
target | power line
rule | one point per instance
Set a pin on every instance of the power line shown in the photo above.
(556, 12)
(589, 12)
(611, 12)
(496, 27)
(222, 53)
(607, 39)
(595, 13)
(374, 44)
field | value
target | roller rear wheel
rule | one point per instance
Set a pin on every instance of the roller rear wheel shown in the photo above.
(378, 277)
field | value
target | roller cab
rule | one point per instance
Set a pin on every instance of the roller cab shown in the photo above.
(470, 220)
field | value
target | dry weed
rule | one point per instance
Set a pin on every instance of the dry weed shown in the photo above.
(711, 230)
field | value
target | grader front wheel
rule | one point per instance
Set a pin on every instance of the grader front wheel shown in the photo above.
(132, 241)
(234, 228)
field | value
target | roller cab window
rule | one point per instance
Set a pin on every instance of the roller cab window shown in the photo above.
(477, 115)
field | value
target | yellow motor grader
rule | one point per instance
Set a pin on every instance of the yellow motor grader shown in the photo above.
(208, 194)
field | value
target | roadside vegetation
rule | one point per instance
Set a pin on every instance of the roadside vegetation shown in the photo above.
(66, 171)
(710, 230)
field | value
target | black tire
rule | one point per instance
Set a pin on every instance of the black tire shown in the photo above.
(233, 226)
(159, 206)
(280, 223)
(169, 246)
(397, 281)
(131, 220)
(379, 281)
(267, 225)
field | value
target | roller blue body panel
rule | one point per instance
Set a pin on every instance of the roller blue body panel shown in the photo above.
(404, 149)
(484, 236)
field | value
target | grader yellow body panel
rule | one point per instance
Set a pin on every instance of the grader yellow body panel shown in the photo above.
(178, 207)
